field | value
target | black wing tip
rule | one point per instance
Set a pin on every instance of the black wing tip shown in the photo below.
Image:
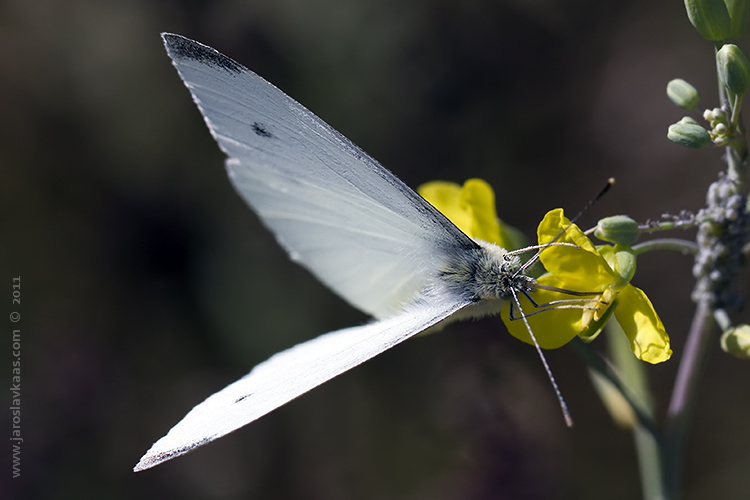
(182, 48)
(152, 459)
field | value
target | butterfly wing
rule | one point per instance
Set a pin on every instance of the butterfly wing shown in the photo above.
(337, 211)
(293, 372)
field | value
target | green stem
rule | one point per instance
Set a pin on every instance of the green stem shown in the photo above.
(649, 464)
(647, 443)
(684, 246)
(722, 319)
(668, 225)
(683, 398)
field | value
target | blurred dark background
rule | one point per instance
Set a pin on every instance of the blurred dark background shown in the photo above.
(147, 285)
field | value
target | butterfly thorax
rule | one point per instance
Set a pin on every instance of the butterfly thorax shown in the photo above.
(485, 273)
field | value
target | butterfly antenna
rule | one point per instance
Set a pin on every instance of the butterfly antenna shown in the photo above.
(610, 183)
(563, 404)
(535, 257)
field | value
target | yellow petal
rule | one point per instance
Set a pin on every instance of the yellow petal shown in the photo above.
(479, 199)
(553, 328)
(648, 339)
(471, 208)
(581, 268)
(445, 196)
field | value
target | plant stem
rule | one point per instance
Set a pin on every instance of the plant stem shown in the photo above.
(648, 444)
(649, 464)
(676, 244)
(683, 398)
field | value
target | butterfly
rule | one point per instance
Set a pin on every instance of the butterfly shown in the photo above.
(349, 221)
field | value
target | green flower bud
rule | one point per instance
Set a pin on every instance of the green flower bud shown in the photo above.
(710, 18)
(622, 261)
(688, 133)
(734, 70)
(619, 229)
(738, 14)
(689, 120)
(736, 341)
(683, 94)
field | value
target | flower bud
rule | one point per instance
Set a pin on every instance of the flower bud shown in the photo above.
(621, 259)
(710, 18)
(623, 264)
(619, 229)
(734, 70)
(688, 133)
(738, 14)
(736, 341)
(716, 115)
(683, 94)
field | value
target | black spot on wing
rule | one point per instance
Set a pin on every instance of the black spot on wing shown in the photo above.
(180, 47)
(242, 397)
(261, 130)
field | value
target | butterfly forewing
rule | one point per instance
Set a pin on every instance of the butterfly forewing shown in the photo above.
(338, 212)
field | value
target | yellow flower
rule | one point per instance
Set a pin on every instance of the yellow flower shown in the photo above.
(582, 268)
(471, 208)
(585, 268)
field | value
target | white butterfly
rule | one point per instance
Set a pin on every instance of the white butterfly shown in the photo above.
(345, 218)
